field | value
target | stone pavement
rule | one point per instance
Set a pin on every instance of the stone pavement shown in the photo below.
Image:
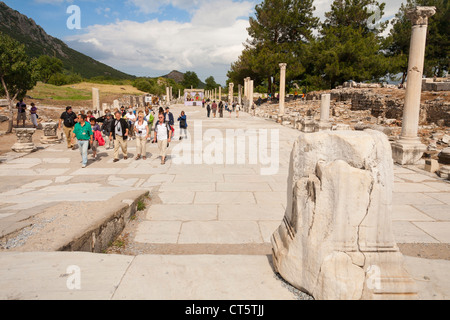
(227, 211)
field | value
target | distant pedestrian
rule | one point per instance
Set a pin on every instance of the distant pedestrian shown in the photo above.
(183, 125)
(142, 133)
(34, 115)
(208, 110)
(68, 119)
(214, 108)
(221, 109)
(119, 132)
(83, 132)
(21, 112)
(163, 134)
(238, 108)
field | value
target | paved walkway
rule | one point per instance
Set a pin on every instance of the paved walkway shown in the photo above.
(228, 210)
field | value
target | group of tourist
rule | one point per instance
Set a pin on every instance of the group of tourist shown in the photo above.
(215, 108)
(22, 114)
(120, 127)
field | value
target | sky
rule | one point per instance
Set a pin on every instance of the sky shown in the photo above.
(150, 38)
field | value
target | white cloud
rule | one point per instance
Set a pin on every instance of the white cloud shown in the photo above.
(214, 37)
(208, 43)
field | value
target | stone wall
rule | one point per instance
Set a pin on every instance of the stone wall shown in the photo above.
(435, 109)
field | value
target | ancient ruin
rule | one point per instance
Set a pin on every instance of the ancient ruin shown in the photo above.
(24, 140)
(409, 149)
(336, 239)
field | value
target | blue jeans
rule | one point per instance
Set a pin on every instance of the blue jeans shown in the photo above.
(84, 146)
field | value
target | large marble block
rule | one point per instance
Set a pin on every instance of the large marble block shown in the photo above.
(336, 239)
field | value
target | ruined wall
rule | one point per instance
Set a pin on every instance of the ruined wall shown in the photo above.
(389, 104)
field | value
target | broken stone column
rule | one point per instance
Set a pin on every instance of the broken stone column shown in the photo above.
(116, 105)
(95, 99)
(409, 149)
(324, 123)
(230, 93)
(282, 87)
(336, 241)
(250, 95)
(24, 142)
(240, 95)
(50, 133)
(168, 94)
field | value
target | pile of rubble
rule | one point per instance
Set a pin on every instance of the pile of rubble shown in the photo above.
(377, 109)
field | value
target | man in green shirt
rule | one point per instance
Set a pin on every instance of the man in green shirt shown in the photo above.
(85, 136)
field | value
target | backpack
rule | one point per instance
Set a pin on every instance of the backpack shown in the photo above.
(98, 136)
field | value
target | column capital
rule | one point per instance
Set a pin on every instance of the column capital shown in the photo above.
(419, 15)
(283, 65)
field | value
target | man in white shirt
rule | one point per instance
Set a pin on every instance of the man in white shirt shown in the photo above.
(131, 118)
(163, 134)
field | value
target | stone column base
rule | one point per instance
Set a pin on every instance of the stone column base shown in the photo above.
(407, 153)
(24, 147)
(309, 126)
(324, 126)
(50, 140)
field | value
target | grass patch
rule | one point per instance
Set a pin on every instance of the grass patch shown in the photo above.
(141, 205)
(47, 91)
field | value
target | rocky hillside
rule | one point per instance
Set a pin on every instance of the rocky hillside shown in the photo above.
(37, 42)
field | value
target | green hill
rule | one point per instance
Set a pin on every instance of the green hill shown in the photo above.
(37, 42)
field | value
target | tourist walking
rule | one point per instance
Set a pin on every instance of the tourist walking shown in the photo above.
(169, 117)
(106, 129)
(68, 119)
(21, 112)
(34, 115)
(131, 118)
(142, 133)
(119, 133)
(83, 132)
(150, 118)
(98, 139)
(221, 109)
(163, 135)
(238, 108)
(208, 110)
(183, 125)
(214, 108)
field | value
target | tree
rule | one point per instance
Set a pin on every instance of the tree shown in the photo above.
(211, 83)
(47, 67)
(438, 45)
(17, 72)
(279, 28)
(350, 44)
(190, 80)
